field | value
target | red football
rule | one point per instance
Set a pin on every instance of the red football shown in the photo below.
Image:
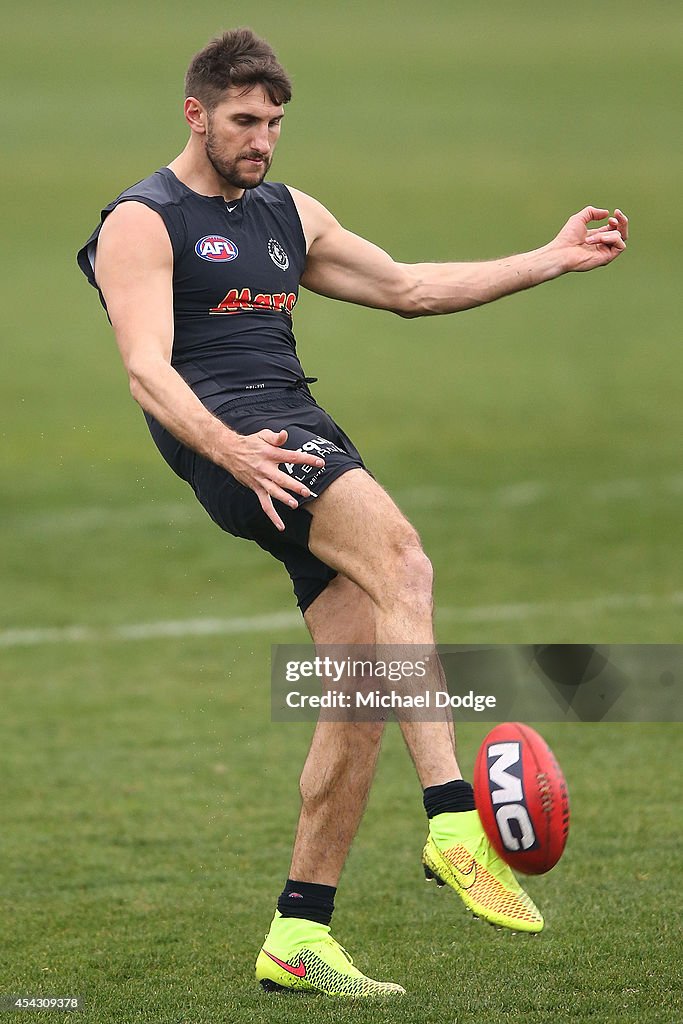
(522, 798)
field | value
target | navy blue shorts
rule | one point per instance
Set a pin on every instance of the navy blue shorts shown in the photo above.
(237, 510)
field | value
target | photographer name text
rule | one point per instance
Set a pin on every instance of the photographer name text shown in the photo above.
(391, 699)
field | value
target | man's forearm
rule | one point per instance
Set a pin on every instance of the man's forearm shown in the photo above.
(451, 287)
(163, 393)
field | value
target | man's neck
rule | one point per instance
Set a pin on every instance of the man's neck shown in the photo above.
(195, 171)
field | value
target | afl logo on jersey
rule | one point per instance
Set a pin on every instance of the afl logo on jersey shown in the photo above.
(278, 254)
(216, 249)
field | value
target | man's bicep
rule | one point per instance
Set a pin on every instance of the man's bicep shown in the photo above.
(342, 265)
(134, 272)
(345, 266)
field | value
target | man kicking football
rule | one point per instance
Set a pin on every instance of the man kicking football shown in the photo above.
(199, 268)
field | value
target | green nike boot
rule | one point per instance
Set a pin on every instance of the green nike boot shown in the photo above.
(458, 854)
(301, 955)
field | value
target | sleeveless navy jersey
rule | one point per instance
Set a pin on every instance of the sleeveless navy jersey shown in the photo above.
(237, 267)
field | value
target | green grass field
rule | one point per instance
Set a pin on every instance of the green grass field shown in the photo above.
(149, 803)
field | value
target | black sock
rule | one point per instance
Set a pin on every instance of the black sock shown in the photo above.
(308, 900)
(451, 796)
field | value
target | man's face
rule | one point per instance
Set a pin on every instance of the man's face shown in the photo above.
(241, 135)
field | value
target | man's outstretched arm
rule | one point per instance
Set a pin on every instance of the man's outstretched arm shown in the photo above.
(344, 266)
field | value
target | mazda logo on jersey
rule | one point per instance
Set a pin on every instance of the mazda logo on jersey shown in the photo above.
(216, 249)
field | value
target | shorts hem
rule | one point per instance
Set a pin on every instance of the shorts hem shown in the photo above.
(334, 474)
(305, 603)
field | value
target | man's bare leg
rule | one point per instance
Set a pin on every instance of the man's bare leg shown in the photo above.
(341, 762)
(358, 530)
(298, 950)
(386, 582)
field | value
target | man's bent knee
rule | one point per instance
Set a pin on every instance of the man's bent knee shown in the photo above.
(358, 530)
(410, 575)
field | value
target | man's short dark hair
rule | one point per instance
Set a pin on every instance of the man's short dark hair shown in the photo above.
(237, 59)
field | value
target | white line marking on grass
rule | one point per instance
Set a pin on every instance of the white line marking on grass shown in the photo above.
(583, 606)
(177, 629)
(151, 630)
(49, 635)
(82, 518)
(209, 627)
(524, 493)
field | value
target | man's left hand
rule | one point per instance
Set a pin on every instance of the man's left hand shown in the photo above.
(585, 248)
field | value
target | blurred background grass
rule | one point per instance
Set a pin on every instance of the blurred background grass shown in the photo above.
(536, 445)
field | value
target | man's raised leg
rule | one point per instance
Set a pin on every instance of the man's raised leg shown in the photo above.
(358, 530)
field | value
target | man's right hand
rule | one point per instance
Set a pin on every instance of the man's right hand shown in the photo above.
(135, 274)
(254, 460)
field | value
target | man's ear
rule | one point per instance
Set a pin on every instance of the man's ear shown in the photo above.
(196, 115)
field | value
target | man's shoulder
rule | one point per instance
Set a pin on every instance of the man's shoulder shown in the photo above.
(161, 188)
(272, 193)
(160, 192)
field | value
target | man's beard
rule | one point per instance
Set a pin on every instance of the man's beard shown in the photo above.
(229, 169)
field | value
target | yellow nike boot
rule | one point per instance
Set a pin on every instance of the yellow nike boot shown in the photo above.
(302, 955)
(458, 854)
